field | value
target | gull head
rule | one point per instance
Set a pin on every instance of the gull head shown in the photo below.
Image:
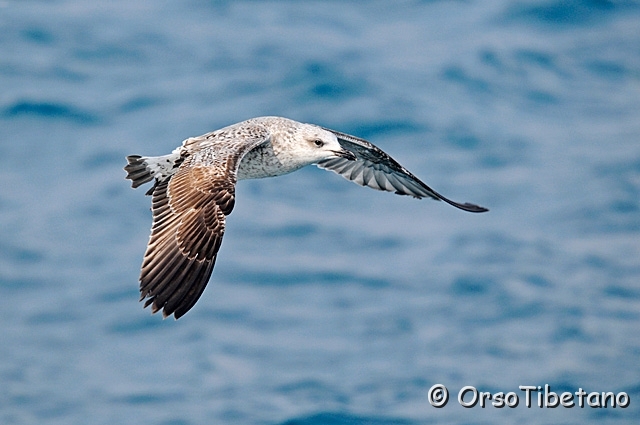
(315, 144)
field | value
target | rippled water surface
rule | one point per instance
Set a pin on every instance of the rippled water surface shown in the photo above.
(330, 303)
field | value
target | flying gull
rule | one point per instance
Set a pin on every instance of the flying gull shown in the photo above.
(194, 191)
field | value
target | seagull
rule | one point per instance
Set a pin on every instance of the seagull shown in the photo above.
(194, 192)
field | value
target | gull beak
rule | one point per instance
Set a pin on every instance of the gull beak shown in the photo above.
(343, 153)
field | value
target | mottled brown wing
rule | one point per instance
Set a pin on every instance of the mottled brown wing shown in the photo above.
(189, 212)
(376, 169)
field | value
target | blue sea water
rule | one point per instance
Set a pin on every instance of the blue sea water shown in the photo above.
(330, 303)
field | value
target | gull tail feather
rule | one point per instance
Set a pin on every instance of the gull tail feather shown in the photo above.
(143, 169)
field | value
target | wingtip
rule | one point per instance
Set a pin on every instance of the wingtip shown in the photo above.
(474, 208)
(155, 308)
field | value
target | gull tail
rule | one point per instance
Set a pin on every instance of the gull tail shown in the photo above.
(143, 169)
(137, 170)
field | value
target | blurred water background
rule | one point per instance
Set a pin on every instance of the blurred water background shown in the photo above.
(330, 303)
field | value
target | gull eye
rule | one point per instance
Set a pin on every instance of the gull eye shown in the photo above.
(319, 143)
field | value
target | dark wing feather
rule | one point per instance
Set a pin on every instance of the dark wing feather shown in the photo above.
(376, 169)
(189, 212)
